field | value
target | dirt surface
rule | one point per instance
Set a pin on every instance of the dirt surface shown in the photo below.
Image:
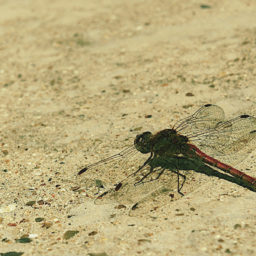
(78, 81)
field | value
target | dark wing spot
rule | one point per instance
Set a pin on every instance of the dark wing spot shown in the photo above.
(135, 206)
(82, 171)
(102, 195)
(253, 131)
(208, 105)
(244, 116)
(118, 186)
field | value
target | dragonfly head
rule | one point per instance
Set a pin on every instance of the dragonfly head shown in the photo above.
(142, 142)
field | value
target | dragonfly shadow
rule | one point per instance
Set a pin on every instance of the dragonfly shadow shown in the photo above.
(187, 164)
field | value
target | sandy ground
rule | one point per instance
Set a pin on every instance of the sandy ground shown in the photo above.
(78, 81)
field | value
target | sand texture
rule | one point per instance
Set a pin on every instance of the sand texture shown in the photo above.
(78, 81)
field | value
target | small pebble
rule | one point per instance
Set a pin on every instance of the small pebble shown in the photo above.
(70, 233)
(33, 235)
(120, 206)
(8, 208)
(189, 94)
(93, 233)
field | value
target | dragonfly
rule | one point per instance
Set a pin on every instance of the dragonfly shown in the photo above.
(193, 139)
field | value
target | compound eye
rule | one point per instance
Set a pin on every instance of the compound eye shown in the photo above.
(140, 139)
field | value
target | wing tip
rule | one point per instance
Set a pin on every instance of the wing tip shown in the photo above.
(82, 171)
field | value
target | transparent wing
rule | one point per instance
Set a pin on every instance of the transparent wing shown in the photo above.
(207, 129)
(101, 175)
(158, 189)
(204, 119)
(124, 154)
(129, 191)
(230, 137)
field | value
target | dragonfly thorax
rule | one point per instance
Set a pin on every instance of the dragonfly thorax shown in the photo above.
(164, 142)
(168, 143)
(142, 142)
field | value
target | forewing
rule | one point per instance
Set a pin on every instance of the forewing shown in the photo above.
(124, 154)
(204, 119)
(110, 170)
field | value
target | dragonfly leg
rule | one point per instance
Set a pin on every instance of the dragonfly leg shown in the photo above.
(141, 167)
(118, 186)
(178, 183)
(175, 169)
(179, 187)
(146, 162)
(144, 176)
(152, 179)
(159, 175)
